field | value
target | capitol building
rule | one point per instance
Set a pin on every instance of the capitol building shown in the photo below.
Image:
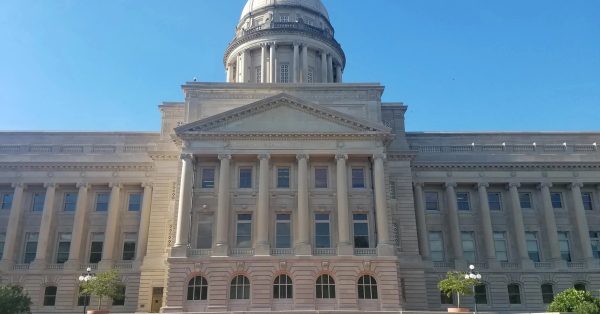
(286, 189)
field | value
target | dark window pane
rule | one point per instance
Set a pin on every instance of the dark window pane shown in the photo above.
(283, 178)
(245, 178)
(208, 178)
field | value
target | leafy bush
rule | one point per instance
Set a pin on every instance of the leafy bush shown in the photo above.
(571, 299)
(13, 300)
(455, 282)
(105, 284)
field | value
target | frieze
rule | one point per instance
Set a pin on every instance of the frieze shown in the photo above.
(569, 166)
(77, 166)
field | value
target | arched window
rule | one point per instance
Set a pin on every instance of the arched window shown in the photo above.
(514, 293)
(325, 287)
(547, 293)
(481, 294)
(367, 287)
(197, 289)
(580, 286)
(282, 287)
(50, 295)
(240, 288)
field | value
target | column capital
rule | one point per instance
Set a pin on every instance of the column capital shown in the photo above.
(575, 185)
(418, 184)
(513, 185)
(264, 156)
(187, 157)
(50, 185)
(116, 185)
(224, 156)
(147, 185)
(544, 185)
(341, 156)
(450, 185)
(22, 185)
(302, 156)
(84, 185)
(296, 44)
(379, 156)
(483, 185)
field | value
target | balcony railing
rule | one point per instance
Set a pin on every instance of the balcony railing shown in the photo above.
(509, 265)
(21, 267)
(443, 264)
(123, 265)
(281, 252)
(241, 252)
(324, 251)
(542, 265)
(480, 265)
(56, 266)
(577, 265)
(91, 266)
(365, 251)
(199, 252)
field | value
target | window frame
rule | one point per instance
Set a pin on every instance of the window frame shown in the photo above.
(99, 205)
(361, 219)
(547, 296)
(92, 252)
(131, 205)
(37, 201)
(361, 181)
(529, 200)
(70, 206)
(197, 284)
(59, 240)
(325, 287)
(283, 290)
(595, 242)
(589, 204)
(206, 182)
(121, 300)
(473, 240)
(49, 298)
(498, 206)
(557, 203)
(279, 177)
(128, 241)
(279, 219)
(504, 240)
(428, 202)
(481, 297)
(529, 240)
(235, 287)
(6, 200)
(463, 203)
(242, 236)
(514, 294)
(245, 185)
(30, 252)
(367, 290)
(284, 73)
(565, 255)
(321, 220)
(318, 184)
(441, 240)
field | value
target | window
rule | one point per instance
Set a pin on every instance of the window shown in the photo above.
(525, 200)
(240, 288)
(120, 300)
(135, 202)
(310, 75)
(547, 293)
(244, 231)
(481, 294)
(283, 177)
(500, 246)
(358, 178)
(282, 287)
(595, 240)
(102, 202)
(436, 246)
(63, 247)
(258, 71)
(361, 230)
(462, 201)
(322, 232)
(514, 294)
(50, 295)
(284, 18)
(532, 246)
(431, 201)
(207, 180)
(245, 178)
(129, 243)
(70, 201)
(83, 299)
(367, 288)
(197, 289)
(283, 231)
(325, 287)
(321, 177)
(38, 201)
(579, 286)
(2, 242)
(31, 242)
(495, 201)
(96, 246)
(588, 201)
(468, 244)
(556, 198)
(445, 298)
(284, 73)
(565, 246)
(393, 194)
(205, 225)
(6, 200)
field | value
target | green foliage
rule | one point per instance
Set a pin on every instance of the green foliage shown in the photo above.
(455, 282)
(13, 300)
(105, 284)
(572, 300)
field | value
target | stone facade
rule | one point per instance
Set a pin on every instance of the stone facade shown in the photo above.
(303, 195)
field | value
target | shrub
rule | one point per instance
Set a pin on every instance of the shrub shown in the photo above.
(570, 299)
(105, 284)
(587, 308)
(455, 282)
(13, 300)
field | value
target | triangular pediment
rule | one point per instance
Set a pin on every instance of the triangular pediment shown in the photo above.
(282, 114)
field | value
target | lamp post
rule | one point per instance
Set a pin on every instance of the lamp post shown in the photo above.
(85, 277)
(475, 275)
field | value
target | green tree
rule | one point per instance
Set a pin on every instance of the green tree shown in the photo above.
(572, 300)
(457, 282)
(13, 300)
(106, 284)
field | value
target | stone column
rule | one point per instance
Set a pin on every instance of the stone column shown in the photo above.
(144, 223)
(344, 243)
(13, 228)
(262, 246)
(41, 255)
(228, 73)
(338, 69)
(78, 235)
(296, 67)
(112, 232)
(304, 64)
(329, 68)
(583, 230)
(550, 223)
(486, 223)
(421, 221)
(384, 246)
(273, 63)
(303, 246)
(323, 67)
(263, 63)
(519, 225)
(453, 221)
(222, 239)
(184, 209)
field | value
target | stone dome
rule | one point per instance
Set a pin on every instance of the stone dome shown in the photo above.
(314, 5)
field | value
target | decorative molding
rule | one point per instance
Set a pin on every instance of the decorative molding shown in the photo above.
(507, 165)
(71, 166)
(224, 156)
(341, 157)
(264, 156)
(303, 156)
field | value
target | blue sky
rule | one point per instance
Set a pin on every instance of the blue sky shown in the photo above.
(460, 65)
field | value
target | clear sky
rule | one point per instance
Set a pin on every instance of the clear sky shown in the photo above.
(460, 65)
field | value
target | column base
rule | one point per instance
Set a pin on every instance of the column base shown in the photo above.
(303, 249)
(493, 263)
(105, 264)
(262, 250)
(178, 251)
(345, 249)
(560, 264)
(6, 266)
(220, 250)
(37, 265)
(527, 264)
(72, 264)
(384, 249)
